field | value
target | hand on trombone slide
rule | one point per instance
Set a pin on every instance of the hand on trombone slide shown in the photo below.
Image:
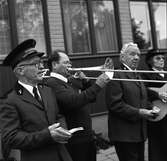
(163, 96)
(103, 78)
(108, 68)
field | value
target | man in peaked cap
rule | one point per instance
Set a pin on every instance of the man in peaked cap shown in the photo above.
(29, 115)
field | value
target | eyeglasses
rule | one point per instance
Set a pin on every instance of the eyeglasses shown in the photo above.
(159, 58)
(35, 64)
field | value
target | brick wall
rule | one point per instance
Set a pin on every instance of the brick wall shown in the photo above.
(55, 24)
(125, 21)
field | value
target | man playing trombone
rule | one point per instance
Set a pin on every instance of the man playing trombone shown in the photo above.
(81, 146)
(128, 108)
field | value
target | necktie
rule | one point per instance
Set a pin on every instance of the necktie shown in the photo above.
(36, 95)
(142, 87)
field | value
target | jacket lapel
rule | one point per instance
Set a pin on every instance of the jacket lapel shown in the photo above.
(131, 75)
(48, 105)
(26, 96)
(44, 96)
(140, 85)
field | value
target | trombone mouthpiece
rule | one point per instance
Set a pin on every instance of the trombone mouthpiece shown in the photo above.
(71, 69)
(44, 74)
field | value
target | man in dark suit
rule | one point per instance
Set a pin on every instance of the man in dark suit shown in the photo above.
(71, 101)
(127, 105)
(29, 115)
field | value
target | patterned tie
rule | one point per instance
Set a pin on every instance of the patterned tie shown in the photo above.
(142, 87)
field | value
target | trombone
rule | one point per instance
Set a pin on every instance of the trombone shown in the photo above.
(101, 69)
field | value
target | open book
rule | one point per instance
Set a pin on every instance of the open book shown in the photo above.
(71, 131)
(76, 129)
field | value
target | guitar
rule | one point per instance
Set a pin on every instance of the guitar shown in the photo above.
(162, 105)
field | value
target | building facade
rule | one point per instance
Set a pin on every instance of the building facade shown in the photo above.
(88, 30)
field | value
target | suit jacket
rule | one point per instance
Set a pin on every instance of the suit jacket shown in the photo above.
(25, 125)
(72, 104)
(123, 100)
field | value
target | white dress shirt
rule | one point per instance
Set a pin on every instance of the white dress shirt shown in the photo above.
(29, 88)
(161, 74)
(59, 76)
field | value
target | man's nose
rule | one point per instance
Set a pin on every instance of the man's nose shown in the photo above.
(137, 56)
(69, 65)
(41, 66)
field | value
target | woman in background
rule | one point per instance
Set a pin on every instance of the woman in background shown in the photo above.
(157, 131)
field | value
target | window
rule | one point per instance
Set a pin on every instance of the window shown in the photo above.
(141, 24)
(149, 23)
(159, 9)
(89, 26)
(104, 25)
(5, 45)
(76, 26)
(30, 22)
(21, 20)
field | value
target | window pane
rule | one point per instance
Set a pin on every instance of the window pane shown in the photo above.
(160, 21)
(76, 26)
(30, 22)
(104, 25)
(5, 45)
(141, 24)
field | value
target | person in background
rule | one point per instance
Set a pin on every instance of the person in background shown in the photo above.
(72, 101)
(29, 115)
(128, 108)
(157, 131)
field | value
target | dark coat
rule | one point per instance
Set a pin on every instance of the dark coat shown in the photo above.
(72, 103)
(157, 131)
(25, 125)
(123, 100)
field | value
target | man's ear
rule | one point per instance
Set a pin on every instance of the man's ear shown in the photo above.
(122, 57)
(19, 70)
(54, 64)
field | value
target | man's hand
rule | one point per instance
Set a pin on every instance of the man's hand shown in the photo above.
(80, 75)
(163, 96)
(102, 80)
(147, 114)
(108, 64)
(155, 111)
(59, 134)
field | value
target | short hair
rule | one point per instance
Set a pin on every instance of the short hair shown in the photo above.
(54, 57)
(126, 47)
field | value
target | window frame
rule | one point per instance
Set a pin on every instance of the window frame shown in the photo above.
(13, 25)
(93, 49)
(152, 22)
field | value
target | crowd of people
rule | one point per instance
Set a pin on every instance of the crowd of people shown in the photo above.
(37, 115)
